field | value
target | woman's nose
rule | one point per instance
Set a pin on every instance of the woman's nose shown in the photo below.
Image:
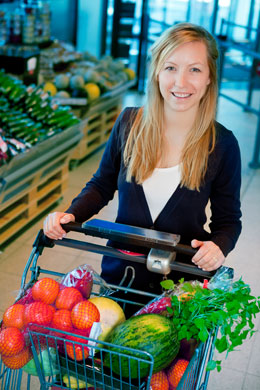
(180, 79)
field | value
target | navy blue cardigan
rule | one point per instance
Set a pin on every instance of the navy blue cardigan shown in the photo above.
(184, 212)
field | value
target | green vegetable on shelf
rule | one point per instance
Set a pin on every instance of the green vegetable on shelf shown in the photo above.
(29, 113)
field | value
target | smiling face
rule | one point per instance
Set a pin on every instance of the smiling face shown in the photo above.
(184, 77)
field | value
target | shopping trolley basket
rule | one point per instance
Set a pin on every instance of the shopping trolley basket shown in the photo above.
(93, 370)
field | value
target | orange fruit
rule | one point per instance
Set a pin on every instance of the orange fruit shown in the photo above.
(67, 298)
(11, 341)
(14, 316)
(17, 361)
(76, 351)
(159, 381)
(84, 314)
(62, 320)
(176, 372)
(39, 313)
(45, 290)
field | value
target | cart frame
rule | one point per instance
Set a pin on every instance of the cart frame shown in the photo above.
(195, 376)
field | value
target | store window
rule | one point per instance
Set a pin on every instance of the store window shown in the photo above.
(134, 25)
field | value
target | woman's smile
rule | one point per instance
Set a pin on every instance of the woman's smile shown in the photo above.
(182, 95)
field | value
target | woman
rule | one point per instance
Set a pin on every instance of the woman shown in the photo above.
(168, 159)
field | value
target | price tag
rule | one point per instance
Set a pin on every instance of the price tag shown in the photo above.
(71, 101)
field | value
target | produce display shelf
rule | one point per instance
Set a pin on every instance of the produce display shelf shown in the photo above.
(35, 181)
(96, 126)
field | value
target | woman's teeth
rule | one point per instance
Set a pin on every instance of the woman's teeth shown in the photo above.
(181, 95)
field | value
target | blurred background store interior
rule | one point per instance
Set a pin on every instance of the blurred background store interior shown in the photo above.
(124, 30)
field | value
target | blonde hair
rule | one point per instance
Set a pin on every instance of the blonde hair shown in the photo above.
(145, 142)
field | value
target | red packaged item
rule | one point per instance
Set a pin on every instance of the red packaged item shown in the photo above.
(156, 306)
(81, 278)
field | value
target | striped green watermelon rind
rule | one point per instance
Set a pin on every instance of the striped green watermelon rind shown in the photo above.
(149, 337)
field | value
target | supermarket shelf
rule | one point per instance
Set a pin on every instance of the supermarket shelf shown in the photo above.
(34, 182)
(32, 204)
(96, 127)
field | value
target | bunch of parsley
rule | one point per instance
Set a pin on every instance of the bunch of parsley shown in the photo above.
(230, 311)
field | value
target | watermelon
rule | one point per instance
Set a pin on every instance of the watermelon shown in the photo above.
(150, 333)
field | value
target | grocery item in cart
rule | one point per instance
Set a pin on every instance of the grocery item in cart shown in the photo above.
(81, 278)
(47, 360)
(111, 314)
(150, 333)
(176, 371)
(159, 381)
(48, 303)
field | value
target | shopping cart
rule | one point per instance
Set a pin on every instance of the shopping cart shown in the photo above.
(93, 371)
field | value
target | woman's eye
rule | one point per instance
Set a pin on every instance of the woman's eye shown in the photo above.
(195, 70)
(170, 68)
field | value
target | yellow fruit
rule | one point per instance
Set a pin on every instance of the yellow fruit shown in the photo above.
(73, 383)
(111, 314)
(93, 91)
(130, 73)
(50, 87)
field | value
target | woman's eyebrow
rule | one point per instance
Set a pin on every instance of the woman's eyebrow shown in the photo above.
(192, 64)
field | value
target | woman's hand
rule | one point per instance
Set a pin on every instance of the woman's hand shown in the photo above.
(209, 256)
(52, 224)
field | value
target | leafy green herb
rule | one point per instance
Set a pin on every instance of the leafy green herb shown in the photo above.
(201, 311)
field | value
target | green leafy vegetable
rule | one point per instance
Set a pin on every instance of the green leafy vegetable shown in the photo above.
(203, 311)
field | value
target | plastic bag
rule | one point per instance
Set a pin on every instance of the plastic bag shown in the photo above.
(223, 279)
(81, 278)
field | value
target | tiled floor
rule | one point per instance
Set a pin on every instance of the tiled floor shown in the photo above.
(241, 370)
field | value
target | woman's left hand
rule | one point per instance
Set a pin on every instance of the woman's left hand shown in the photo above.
(209, 256)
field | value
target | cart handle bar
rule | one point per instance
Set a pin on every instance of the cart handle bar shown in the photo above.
(164, 244)
(132, 235)
(42, 241)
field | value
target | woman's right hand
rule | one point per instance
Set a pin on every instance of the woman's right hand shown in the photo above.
(52, 224)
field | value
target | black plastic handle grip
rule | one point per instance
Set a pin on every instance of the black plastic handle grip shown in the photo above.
(143, 237)
(185, 250)
(73, 227)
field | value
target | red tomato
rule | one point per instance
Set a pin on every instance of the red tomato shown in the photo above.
(14, 316)
(11, 341)
(45, 290)
(67, 298)
(84, 314)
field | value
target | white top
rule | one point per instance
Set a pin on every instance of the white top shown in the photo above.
(159, 187)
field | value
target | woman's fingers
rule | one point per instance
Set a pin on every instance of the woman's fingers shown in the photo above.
(52, 224)
(209, 256)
